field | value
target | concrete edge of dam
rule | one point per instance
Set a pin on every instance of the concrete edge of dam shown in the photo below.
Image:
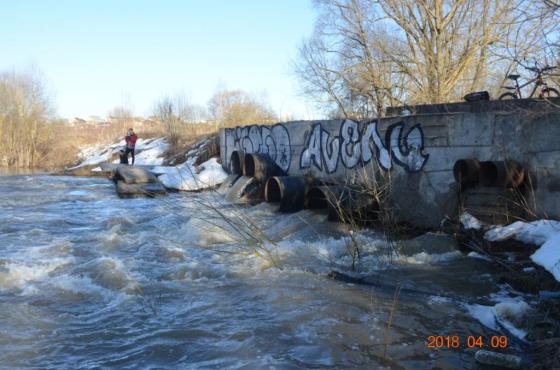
(498, 164)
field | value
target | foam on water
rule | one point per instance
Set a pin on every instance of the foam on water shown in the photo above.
(77, 287)
(190, 281)
(19, 274)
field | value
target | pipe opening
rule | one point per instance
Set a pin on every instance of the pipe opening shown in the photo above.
(466, 171)
(249, 165)
(235, 163)
(501, 173)
(272, 191)
(488, 173)
(316, 199)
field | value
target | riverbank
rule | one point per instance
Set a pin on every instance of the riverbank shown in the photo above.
(193, 167)
(527, 256)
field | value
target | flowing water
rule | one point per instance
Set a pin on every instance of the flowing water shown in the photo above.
(88, 280)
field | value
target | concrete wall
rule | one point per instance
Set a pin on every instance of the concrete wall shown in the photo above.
(416, 153)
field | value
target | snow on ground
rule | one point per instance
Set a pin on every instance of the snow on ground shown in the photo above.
(508, 312)
(189, 177)
(148, 152)
(505, 314)
(545, 233)
(95, 155)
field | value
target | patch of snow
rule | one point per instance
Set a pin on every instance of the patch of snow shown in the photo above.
(186, 176)
(504, 232)
(96, 169)
(484, 314)
(470, 222)
(544, 233)
(512, 311)
(508, 314)
(548, 256)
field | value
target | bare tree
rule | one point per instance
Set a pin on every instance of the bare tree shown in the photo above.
(368, 54)
(25, 112)
(341, 66)
(122, 116)
(179, 117)
(236, 107)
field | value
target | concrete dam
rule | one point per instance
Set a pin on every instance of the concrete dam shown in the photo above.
(498, 160)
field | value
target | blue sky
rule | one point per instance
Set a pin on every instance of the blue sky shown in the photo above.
(96, 55)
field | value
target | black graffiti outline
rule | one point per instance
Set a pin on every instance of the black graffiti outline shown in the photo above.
(260, 139)
(402, 142)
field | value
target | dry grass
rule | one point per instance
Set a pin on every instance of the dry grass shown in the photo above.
(394, 305)
(366, 202)
(65, 141)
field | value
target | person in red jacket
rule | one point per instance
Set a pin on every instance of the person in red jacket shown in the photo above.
(130, 139)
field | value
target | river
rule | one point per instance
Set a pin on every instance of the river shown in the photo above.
(89, 280)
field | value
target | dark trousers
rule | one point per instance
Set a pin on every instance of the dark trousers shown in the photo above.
(131, 151)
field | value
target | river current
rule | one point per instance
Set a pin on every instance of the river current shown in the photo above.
(89, 280)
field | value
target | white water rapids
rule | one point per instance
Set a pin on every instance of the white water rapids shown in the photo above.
(88, 280)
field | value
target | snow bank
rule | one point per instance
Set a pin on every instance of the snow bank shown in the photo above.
(148, 152)
(151, 152)
(545, 233)
(189, 177)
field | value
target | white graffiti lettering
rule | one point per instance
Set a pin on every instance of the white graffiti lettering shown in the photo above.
(313, 150)
(358, 148)
(351, 147)
(274, 141)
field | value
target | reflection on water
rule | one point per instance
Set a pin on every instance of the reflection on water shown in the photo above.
(11, 171)
(91, 280)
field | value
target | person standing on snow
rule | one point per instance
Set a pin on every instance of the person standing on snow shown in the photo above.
(130, 139)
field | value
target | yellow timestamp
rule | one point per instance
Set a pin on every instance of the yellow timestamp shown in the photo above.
(472, 341)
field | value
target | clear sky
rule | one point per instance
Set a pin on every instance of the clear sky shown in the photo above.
(96, 55)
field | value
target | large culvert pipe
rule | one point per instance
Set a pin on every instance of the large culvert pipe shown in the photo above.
(342, 202)
(506, 173)
(321, 197)
(260, 166)
(466, 172)
(236, 162)
(289, 191)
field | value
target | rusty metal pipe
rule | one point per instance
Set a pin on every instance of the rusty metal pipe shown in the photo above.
(508, 173)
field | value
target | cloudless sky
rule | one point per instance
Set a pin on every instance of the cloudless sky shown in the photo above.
(96, 55)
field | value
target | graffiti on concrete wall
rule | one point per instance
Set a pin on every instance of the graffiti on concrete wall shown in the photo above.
(271, 140)
(353, 147)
